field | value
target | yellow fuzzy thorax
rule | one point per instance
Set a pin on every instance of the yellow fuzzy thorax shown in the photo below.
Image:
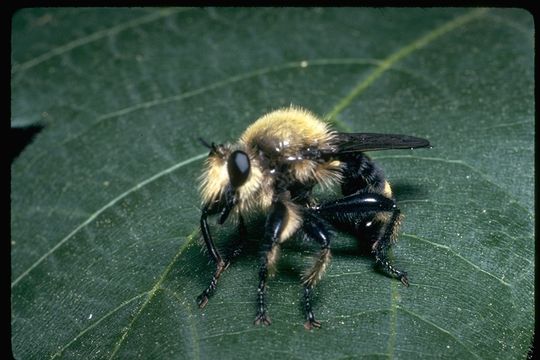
(281, 135)
(289, 130)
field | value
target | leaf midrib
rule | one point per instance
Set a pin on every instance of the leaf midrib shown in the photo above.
(152, 292)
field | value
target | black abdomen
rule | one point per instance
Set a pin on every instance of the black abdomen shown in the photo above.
(360, 173)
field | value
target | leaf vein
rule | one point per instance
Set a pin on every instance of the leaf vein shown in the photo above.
(393, 320)
(98, 35)
(516, 123)
(511, 24)
(102, 209)
(361, 313)
(222, 83)
(152, 293)
(97, 322)
(455, 253)
(192, 327)
(463, 163)
(403, 53)
(440, 329)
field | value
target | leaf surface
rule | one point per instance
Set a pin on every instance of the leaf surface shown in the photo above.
(105, 256)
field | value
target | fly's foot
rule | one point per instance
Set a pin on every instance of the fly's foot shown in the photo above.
(262, 318)
(202, 300)
(404, 279)
(311, 324)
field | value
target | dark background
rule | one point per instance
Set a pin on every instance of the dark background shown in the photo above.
(20, 138)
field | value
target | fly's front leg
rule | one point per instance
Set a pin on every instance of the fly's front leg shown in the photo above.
(275, 224)
(202, 299)
(221, 264)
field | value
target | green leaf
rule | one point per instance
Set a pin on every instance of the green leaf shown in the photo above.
(105, 253)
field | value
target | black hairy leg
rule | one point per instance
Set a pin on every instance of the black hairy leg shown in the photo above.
(275, 222)
(233, 250)
(367, 212)
(310, 323)
(387, 237)
(316, 229)
(205, 230)
(351, 212)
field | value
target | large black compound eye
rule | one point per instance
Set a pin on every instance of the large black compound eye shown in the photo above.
(238, 168)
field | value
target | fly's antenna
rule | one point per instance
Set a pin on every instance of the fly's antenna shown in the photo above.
(205, 143)
(212, 146)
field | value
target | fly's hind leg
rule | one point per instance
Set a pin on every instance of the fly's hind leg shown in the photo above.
(363, 178)
(317, 230)
(354, 210)
(387, 237)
